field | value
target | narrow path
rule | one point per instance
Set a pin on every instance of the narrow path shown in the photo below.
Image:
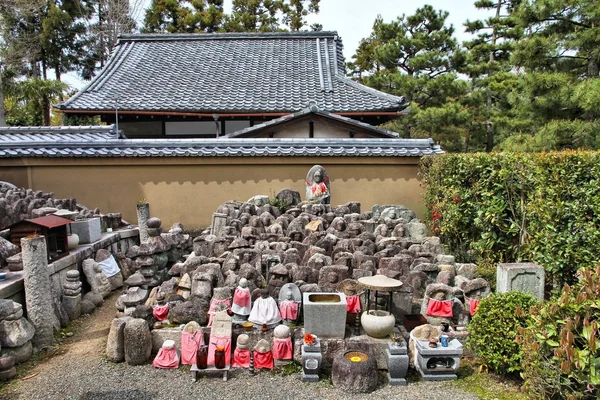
(78, 370)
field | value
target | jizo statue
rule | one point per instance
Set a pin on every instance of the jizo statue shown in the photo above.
(318, 189)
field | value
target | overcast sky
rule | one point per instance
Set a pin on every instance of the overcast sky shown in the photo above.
(353, 19)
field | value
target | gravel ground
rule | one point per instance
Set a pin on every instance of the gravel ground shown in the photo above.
(78, 370)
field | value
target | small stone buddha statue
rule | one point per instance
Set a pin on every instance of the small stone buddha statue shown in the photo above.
(241, 354)
(288, 309)
(282, 343)
(241, 301)
(265, 310)
(263, 356)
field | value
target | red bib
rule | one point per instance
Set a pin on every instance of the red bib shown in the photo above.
(288, 309)
(241, 358)
(439, 308)
(353, 304)
(282, 349)
(219, 342)
(166, 358)
(160, 312)
(263, 360)
(190, 342)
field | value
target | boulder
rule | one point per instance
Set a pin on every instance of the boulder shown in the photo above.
(137, 341)
(87, 307)
(15, 333)
(21, 353)
(194, 310)
(115, 348)
(94, 297)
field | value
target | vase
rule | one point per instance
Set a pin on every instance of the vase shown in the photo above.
(72, 241)
(202, 357)
(219, 358)
(377, 324)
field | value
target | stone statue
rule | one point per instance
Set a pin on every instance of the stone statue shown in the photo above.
(318, 189)
(96, 278)
(282, 343)
(265, 310)
(241, 302)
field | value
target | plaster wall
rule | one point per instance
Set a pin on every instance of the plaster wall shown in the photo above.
(189, 190)
(322, 129)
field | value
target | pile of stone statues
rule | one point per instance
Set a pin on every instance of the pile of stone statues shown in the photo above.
(253, 264)
(18, 204)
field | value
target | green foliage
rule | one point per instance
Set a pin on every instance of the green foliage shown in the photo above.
(558, 92)
(281, 205)
(417, 57)
(177, 16)
(561, 356)
(493, 330)
(269, 15)
(485, 386)
(27, 102)
(509, 207)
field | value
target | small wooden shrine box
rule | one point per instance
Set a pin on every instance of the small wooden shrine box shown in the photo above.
(52, 227)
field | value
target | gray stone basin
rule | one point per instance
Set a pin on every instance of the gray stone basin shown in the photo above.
(325, 314)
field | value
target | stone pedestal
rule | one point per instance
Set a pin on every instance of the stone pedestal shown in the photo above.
(439, 363)
(311, 361)
(38, 291)
(397, 362)
(72, 306)
(524, 277)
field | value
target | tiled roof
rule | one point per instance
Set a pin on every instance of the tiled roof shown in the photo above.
(229, 73)
(99, 142)
(45, 134)
(248, 132)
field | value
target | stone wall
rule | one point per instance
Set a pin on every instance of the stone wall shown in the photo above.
(13, 287)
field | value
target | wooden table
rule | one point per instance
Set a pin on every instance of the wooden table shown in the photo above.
(210, 369)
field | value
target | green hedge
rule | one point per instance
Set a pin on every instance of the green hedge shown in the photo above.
(508, 207)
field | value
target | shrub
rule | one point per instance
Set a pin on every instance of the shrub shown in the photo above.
(506, 207)
(561, 355)
(494, 327)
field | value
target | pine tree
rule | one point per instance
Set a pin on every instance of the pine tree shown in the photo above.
(417, 57)
(177, 16)
(560, 56)
(488, 66)
(269, 15)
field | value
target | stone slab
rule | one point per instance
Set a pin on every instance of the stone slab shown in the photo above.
(524, 277)
(160, 335)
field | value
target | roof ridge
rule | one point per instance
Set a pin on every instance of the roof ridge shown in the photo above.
(55, 129)
(93, 82)
(227, 35)
(383, 95)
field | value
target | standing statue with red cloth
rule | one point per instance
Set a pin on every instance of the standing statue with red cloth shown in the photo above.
(241, 306)
(318, 189)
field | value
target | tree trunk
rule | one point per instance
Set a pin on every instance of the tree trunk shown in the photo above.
(2, 112)
(489, 126)
(46, 110)
(593, 68)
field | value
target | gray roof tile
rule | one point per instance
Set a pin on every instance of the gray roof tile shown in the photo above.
(229, 73)
(78, 142)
